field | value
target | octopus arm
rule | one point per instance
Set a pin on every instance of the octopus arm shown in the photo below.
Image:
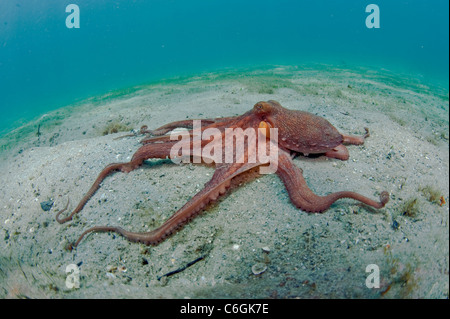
(306, 200)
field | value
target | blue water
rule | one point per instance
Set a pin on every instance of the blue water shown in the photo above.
(45, 65)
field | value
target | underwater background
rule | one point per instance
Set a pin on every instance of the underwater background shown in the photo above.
(44, 65)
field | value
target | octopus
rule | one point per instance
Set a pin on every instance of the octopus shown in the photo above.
(282, 133)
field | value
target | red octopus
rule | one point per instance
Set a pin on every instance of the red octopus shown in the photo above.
(284, 133)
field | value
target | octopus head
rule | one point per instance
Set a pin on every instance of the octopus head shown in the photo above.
(297, 130)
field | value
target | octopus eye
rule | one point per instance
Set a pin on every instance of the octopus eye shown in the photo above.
(262, 108)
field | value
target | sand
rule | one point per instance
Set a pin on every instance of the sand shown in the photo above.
(304, 255)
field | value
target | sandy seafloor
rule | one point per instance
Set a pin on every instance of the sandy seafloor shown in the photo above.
(306, 255)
